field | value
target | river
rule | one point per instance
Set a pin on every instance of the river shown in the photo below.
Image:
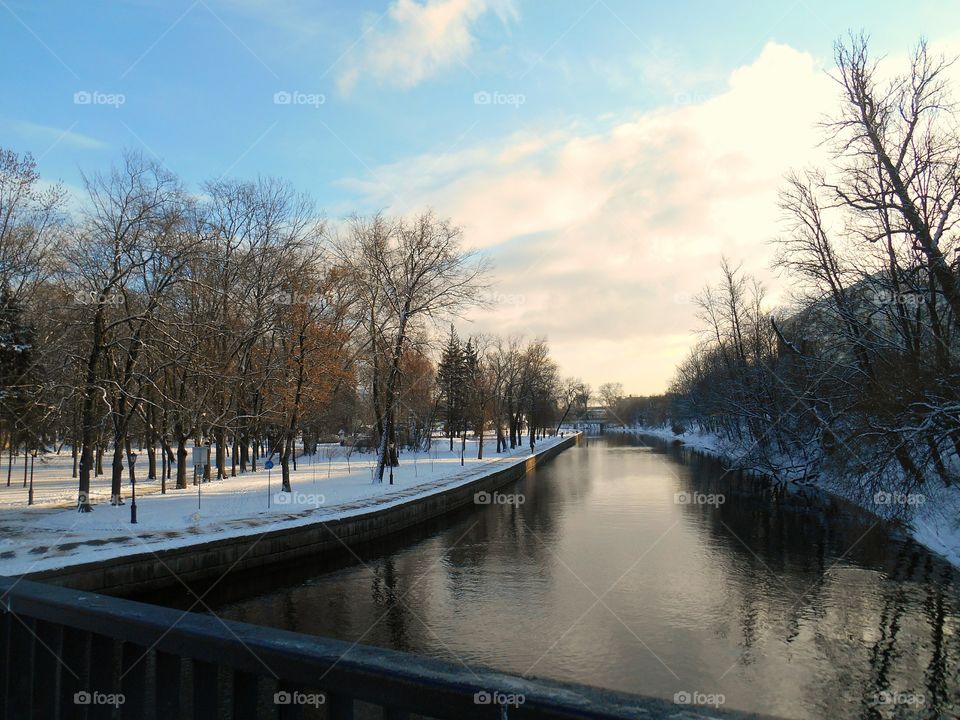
(647, 569)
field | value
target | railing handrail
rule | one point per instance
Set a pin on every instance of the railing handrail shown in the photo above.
(389, 678)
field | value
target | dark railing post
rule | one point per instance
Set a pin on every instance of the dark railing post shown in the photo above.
(102, 667)
(75, 653)
(20, 678)
(341, 707)
(133, 682)
(5, 621)
(205, 690)
(167, 695)
(290, 711)
(245, 696)
(46, 666)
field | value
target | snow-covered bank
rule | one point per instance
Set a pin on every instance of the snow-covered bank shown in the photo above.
(326, 487)
(932, 518)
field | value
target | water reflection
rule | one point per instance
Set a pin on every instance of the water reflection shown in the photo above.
(786, 604)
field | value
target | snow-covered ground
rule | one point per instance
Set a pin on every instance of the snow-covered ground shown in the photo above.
(934, 516)
(52, 534)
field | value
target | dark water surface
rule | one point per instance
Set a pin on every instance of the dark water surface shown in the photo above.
(790, 606)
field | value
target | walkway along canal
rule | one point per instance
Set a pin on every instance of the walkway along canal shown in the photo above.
(195, 560)
(643, 569)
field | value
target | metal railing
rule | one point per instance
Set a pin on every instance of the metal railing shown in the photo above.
(72, 654)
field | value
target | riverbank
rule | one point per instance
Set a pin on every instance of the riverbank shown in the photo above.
(932, 519)
(242, 522)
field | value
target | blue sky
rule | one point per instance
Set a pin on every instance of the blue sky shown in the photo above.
(388, 112)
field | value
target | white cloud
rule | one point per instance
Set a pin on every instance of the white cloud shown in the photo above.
(57, 136)
(604, 235)
(415, 41)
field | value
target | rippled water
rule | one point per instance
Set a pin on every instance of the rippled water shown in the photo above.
(792, 606)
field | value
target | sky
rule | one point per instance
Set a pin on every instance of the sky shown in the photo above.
(604, 154)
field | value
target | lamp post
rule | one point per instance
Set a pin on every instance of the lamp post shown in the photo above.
(206, 466)
(201, 474)
(392, 446)
(268, 466)
(30, 495)
(164, 460)
(132, 459)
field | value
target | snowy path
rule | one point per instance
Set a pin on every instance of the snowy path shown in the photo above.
(51, 534)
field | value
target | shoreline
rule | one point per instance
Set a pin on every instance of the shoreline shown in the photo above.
(313, 534)
(943, 542)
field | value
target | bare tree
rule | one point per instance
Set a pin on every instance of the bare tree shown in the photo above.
(610, 395)
(415, 270)
(128, 251)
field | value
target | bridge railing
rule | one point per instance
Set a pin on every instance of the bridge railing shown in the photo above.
(71, 654)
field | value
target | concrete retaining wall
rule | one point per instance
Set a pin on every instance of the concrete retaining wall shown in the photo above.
(203, 562)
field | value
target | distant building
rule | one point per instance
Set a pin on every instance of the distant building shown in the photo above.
(593, 420)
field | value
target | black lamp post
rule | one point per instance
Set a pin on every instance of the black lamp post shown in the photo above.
(30, 495)
(132, 459)
(164, 464)
(392, 446)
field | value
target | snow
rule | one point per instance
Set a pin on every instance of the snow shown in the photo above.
(934, 516)
(704, 442)
(51, 534)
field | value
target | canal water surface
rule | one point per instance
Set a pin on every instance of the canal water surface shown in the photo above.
(616, 565)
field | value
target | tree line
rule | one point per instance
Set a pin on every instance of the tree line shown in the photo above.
(858, 374)
(237, 318)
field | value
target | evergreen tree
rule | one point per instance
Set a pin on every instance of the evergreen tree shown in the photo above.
(471, 372)
(16, 361)
(451, 379)
(471, 365)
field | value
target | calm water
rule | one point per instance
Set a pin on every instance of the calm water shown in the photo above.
(789, 606)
